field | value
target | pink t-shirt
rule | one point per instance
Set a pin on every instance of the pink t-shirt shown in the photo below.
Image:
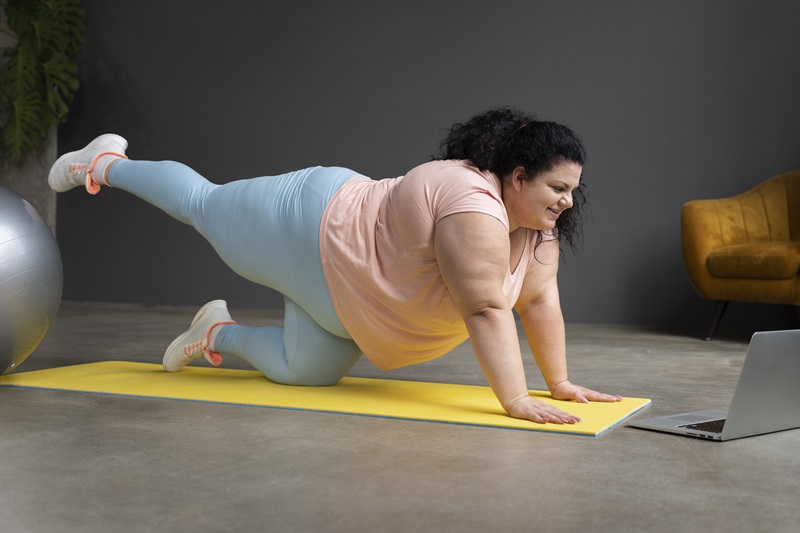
(377, 249)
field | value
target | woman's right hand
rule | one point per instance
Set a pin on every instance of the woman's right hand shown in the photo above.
(528, 408)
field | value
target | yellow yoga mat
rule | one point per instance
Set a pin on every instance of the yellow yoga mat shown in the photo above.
(411, 400)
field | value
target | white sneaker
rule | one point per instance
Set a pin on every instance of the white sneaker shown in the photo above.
(193, 343)
(75, 168)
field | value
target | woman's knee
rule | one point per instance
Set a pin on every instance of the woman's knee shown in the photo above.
(323, 368)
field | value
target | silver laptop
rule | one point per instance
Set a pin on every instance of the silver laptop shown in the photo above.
(767, 398)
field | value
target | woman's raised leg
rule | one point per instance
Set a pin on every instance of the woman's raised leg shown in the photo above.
(267, 230)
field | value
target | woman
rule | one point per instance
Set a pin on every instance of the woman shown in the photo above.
(401, 270)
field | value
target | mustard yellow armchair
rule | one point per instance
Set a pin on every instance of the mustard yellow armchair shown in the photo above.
(745, 248)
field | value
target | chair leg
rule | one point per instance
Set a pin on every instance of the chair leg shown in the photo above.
(719, 310)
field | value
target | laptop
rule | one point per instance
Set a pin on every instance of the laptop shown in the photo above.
(767, 398)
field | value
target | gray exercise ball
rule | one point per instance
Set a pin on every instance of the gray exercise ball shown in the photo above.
(31, 279)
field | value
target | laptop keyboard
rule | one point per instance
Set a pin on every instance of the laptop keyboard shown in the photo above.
(712, 426)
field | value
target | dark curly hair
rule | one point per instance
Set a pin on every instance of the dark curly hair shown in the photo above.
(502, 139)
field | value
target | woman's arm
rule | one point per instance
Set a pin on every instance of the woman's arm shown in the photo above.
(539, 307)
(472, 250)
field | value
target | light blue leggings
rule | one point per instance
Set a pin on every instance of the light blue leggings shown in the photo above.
(267, 230)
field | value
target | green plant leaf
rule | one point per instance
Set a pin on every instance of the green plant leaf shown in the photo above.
(20, 15)
(61, 82)
(62, 25)
(38, 80)
(21, 74)
(48, 24)
(22, 132)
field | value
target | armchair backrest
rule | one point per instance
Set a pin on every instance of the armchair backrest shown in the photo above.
(768, 212)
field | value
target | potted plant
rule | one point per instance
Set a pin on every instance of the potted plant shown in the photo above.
(38, 80)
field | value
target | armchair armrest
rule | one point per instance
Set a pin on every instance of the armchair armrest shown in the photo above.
(705, 226)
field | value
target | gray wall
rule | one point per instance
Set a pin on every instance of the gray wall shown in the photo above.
(675, 101)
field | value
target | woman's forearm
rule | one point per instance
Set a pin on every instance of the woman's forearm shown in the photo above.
(545, 332)
(493, 333)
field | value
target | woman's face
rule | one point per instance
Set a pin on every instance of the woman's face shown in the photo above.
(538, 203)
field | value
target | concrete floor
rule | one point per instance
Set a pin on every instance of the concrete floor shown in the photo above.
(81, 462)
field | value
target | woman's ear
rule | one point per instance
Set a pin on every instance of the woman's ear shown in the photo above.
(518, 175)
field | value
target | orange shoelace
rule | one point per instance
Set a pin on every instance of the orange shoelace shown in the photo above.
(78, 168)
(194, 347)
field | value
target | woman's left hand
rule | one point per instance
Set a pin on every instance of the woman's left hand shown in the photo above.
(568, 391)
